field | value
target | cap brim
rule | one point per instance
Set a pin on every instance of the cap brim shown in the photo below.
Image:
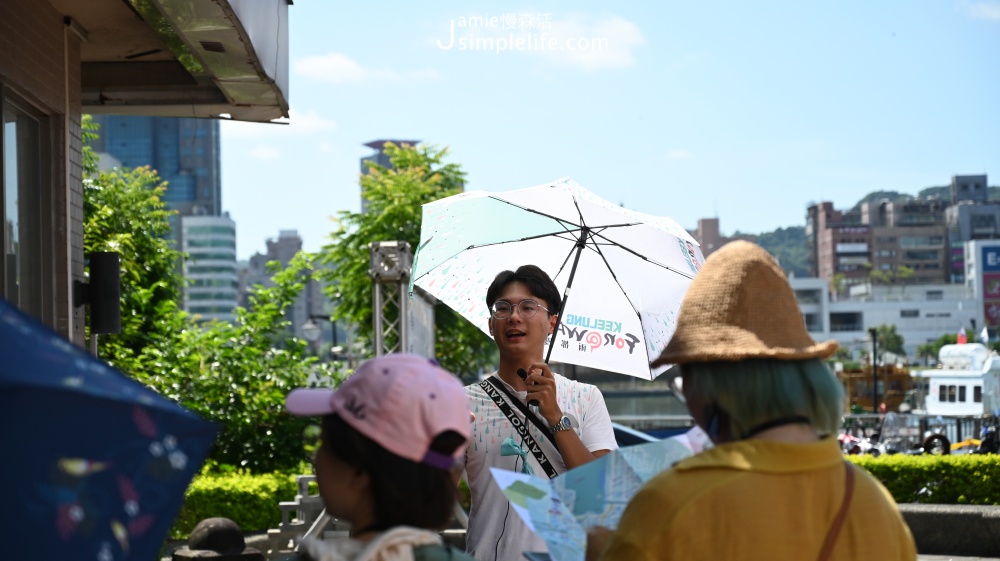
(309, 402)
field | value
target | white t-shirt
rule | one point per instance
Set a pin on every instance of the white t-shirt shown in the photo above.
(491, 519)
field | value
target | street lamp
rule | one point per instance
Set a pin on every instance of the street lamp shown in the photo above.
(311, 331)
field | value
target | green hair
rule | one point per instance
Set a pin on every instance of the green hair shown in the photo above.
(753, 392)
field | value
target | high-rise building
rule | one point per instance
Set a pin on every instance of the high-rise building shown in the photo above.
(923, 238)
(970, 217)
(908, 233)
(839, 243)
(212, 288)
(185, 153)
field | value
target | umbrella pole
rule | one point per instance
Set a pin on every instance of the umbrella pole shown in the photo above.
(581, 242)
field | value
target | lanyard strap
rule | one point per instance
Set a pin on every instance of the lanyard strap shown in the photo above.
(831, 537)
(491, 389)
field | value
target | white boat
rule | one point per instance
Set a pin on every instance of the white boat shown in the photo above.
(967, 382)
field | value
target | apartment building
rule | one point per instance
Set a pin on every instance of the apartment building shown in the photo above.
(921, 312)
(904, 241)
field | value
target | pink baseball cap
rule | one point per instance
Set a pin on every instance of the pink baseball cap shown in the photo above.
(401, 401)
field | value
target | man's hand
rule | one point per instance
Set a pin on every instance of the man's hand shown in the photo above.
(541, 385)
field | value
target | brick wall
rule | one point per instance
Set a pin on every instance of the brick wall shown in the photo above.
(40, 63)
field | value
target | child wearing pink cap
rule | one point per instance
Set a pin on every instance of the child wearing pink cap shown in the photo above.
(392, 435)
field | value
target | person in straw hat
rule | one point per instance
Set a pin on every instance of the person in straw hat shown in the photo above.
(775, 485)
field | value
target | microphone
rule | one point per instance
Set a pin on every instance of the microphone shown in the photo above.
(523, 374)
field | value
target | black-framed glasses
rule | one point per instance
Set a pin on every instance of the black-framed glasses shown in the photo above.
(502, 309)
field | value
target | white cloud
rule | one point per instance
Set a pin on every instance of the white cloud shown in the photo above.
(338, 68)
(984, 10)
(679, 155)
(593, 44)
(266, 153)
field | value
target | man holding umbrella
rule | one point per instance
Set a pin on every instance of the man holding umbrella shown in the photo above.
(532, 421)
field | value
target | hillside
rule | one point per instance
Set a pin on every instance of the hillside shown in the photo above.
(789, 246)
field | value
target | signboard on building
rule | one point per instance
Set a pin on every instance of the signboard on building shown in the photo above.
(990, 279)
(991, 259)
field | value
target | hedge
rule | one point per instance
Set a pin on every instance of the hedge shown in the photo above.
(249, 500)
(957, 479)
(252, 500)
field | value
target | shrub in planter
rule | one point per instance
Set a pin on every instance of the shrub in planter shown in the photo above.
(954, 479)
(251, 501)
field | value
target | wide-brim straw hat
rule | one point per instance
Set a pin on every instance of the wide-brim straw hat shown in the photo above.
(740, 306)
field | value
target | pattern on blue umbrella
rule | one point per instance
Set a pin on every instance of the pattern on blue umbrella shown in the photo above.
(97, 462)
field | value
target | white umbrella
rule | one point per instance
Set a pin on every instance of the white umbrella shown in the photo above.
(623, 273)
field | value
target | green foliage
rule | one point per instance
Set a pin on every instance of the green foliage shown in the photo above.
(251, 501)
(898, 276)
(394, 197)
(790, 247)
(124, 213)
(941, 192)
(889, 340)
(876, 196)
(236, 375)
(239, 374)
(955, 479)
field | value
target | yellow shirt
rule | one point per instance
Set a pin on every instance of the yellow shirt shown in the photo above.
(758, 499)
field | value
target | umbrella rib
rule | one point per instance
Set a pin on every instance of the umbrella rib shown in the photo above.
(623, 291)
(637, 254)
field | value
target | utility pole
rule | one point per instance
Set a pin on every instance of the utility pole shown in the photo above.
(871, 331)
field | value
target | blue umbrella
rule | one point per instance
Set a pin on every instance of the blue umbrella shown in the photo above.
(94, 464)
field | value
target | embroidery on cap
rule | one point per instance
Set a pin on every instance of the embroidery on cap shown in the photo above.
(356, 409)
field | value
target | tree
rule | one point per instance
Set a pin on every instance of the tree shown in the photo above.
(889, 340)
(394, 197)
(837, 285)
(236, 375)
(123, 212)
(239, 374)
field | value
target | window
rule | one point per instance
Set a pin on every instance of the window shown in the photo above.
(977, 394)
(942, 393)
(922, 255)
(21, 235)
(211, 243)
(935, 295)
(909, 313)
(951, 393)
(961, 393)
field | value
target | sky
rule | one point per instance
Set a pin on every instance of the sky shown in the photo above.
(743, 111)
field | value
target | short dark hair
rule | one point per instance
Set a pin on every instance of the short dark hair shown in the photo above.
(404, 492)
(537, 281)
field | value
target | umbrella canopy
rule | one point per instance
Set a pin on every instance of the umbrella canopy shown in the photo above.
(95, 464)
(623, 273)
